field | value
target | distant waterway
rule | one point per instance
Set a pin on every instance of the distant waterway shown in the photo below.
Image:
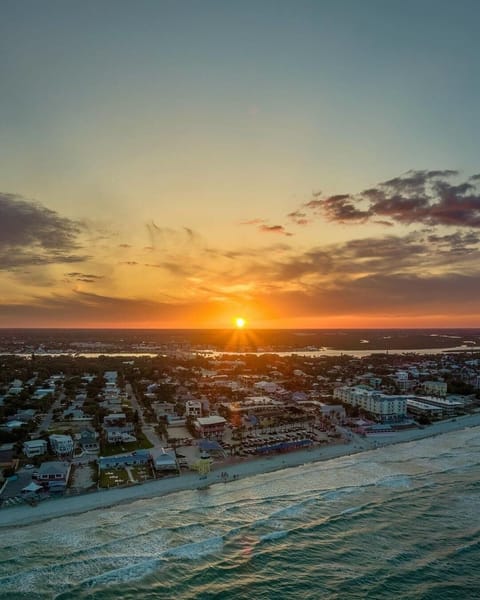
(85, 354)
(358, 353)
(397, 522)
(217, 353)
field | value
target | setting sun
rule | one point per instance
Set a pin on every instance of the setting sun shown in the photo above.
(240, 322)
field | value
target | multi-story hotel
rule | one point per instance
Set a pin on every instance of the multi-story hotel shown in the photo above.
(385, 408)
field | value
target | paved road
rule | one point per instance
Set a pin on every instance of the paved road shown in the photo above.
(147, 429)
(45, 424)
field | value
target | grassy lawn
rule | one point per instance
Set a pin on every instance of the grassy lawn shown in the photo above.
(142, 443)
(113, 477)
(141, 472)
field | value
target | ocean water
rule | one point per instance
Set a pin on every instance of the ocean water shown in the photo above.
(399, 522)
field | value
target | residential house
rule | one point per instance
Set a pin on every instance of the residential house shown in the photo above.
(164, 461)
(7, 453)
(61, 444)
(88, 440)
(23, 415)
(114, 419)
(33, 448)
(53, 475)
(122, 433)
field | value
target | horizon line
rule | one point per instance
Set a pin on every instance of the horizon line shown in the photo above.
(41, 328)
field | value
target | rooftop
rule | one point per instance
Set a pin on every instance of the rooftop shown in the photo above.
(213, 420)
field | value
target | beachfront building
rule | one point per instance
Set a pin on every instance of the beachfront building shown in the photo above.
(381, 406)
(417, 407)
(33, 448)
(164, 461)
(120, 461)
(386, 408)
(449, 406)
(61, 444)
(53, 475)
(211, 427)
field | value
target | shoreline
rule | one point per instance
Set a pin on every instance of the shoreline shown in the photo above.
(74, 505)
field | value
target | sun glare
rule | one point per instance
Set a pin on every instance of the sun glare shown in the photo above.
(240, 322)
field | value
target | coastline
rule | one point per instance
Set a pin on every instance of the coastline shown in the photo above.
(73, 505)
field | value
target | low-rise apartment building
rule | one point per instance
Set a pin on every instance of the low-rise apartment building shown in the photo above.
(211, 427)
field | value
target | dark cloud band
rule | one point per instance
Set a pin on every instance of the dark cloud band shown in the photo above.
(32, 234)
(426, 197)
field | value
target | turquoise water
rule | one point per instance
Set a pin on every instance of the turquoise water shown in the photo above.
(398, 522)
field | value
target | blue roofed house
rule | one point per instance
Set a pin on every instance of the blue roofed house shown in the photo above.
(130, 459)
(164, 461)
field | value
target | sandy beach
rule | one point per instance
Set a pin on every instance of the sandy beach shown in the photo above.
(26, 514)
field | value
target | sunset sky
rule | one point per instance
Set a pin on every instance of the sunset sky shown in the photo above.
(295, 163)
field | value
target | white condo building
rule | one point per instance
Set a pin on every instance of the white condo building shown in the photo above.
(385, 408)
(193, 408)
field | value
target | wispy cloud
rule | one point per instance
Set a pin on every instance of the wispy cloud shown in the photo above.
(83, 277)
(395, 273)
(280, 229)
(264, 227)
(299, 217)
